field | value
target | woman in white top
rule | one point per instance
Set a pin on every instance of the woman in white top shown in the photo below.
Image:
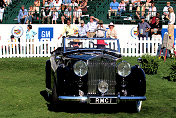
(55, 16)
(171, 18)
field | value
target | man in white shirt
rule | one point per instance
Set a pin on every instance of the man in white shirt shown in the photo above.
(171, 18)
(82, 30)
(91, 27)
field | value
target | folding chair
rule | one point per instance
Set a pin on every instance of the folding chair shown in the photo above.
(163, 51)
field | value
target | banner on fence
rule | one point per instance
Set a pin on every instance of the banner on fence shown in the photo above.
(125, 33)
(45, 33)
(53, 31)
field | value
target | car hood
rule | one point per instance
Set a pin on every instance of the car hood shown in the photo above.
(82, 56)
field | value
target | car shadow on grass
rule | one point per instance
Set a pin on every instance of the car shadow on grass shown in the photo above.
(70, 107)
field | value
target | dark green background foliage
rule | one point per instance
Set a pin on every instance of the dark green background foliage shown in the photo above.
(173, 72)
(22, 80)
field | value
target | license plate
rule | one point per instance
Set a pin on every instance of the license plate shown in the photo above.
(103, 100)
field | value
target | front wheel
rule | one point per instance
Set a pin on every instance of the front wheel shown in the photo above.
(54, 98)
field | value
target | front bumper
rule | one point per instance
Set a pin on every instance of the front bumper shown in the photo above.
(86, 99)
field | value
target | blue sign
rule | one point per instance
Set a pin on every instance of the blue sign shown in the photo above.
(165, 30)
(45, 32)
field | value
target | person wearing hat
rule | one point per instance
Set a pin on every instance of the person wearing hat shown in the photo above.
(100, 30)
(46, 14)
(100, 33)
(111, 32)
(75, 43)
(143, 28)
(82, 30)
(101, 44)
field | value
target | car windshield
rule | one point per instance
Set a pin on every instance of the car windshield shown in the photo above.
(87, 43)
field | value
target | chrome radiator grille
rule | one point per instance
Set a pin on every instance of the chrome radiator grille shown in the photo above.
(101, 69)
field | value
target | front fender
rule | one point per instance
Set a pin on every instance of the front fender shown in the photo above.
(134, 84)
(138, 76)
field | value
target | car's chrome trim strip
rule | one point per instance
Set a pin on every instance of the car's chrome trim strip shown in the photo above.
(85, 98)
(73, 98)
(103, 97)
(132, 98)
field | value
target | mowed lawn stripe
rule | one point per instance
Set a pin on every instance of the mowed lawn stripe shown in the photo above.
(22, 80)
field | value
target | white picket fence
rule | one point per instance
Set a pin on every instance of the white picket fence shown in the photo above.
(141, 47)
(27, 49)
(43, 48)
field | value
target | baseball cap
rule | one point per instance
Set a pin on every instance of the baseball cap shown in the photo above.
(81, 21)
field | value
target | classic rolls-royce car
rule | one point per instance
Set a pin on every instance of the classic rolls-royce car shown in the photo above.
(93, 76)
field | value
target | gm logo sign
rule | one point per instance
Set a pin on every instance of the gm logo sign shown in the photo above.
(45, 32)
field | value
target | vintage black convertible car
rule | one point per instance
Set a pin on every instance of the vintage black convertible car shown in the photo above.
(93, 76)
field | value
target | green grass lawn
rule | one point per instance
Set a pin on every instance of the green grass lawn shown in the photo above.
(22, 80)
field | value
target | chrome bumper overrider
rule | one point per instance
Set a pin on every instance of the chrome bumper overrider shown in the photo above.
(86, 98)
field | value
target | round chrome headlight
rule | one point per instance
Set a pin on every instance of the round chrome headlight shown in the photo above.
(103, 87)
(124, 69)
(80, 68)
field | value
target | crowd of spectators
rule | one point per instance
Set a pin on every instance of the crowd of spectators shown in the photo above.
(150, 20)
(26, 16)
(58, 11)
(141, 8)
(53, 11)
(3, 5)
